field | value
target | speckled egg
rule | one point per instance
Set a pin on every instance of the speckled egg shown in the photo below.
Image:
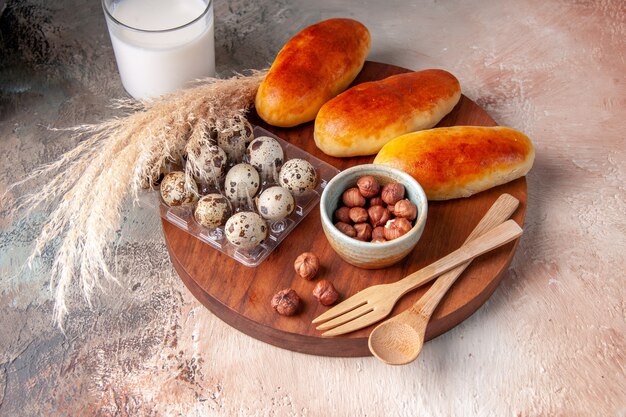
(246, 230)
(213, 160)
(173, 190)
(247, 131)
(298, 175)
(275, 203)
(265, 153)
(239, 179)
(233, 144)
(212, 210)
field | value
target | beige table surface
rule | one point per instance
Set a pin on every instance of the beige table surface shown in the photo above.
(551, 340)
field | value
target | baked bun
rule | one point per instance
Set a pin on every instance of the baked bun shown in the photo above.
(459, 161)
(365, 117)
(314, 66)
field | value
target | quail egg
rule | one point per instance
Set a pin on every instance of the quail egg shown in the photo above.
(265, 152)
(242, 180)
(175, 193)
(247, 131)
(212, 210)
(298, 175)
(246, 230)
(212, 160)
(233, 144)
(275, 203)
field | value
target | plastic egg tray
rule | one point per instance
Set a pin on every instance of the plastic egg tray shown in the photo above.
(182, 217)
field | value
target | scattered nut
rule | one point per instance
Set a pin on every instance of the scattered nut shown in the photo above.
(406, 209)
(286, 302)
(325, 292)
(376, 201)
(392, 193)
(346, 229)
(363, 231)
(342, 214)
(358, 214)
(368, 186)
(379, 215)
(353, 198)
(397, 227)
(378, 233)
(306, 265)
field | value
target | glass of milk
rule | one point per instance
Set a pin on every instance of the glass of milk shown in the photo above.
(161, 45)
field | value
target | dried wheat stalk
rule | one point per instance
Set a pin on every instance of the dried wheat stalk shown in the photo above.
(116, 158)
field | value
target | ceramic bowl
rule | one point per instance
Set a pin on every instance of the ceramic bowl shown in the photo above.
(366, 254)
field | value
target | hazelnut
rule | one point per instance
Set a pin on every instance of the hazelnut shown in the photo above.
(306, 265)
(392, 193)
(368, 186)
(406, 209)
(353, 198)
(286, 302)
(358, 214)
(378, 215)
(341, 214)
(346, 229)
(325, 292)
(396, 228)
(376, 201)
(378, 233)
(363, 231)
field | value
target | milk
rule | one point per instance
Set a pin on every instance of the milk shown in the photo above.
(161, 51)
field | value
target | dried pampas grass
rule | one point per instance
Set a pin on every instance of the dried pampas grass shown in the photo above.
(116, 158)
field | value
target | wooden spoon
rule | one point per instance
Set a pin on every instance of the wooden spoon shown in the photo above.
(399, 340)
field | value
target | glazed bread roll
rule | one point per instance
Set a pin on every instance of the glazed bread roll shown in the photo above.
(313, 67)
(361, 120)
(453, 162)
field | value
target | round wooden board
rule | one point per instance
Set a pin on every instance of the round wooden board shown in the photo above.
(241, 296)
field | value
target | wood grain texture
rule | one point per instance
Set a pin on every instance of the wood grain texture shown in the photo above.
(241, 296)
(551, 339)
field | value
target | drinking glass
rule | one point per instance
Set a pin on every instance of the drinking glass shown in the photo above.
(161, 45)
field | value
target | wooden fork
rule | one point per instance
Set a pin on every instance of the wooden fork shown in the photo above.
(375, 303)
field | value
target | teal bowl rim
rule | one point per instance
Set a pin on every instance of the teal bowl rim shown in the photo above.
(422, 206)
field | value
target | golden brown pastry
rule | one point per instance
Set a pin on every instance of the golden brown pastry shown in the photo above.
(313, 67)
(452, 162)
(361, 120)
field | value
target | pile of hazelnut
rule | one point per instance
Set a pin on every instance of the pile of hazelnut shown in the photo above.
(287, 302)
(372, 213)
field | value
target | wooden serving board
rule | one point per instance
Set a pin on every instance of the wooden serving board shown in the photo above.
(241, 296)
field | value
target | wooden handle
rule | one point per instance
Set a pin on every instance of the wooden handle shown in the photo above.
(499, 212)
(498, 236)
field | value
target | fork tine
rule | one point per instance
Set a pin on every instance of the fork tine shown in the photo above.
(344, 318)
(359, 323)
(357, 300)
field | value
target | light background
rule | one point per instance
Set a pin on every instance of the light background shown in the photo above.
(551, 340)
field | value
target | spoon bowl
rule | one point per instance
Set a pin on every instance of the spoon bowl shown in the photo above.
(396, 342)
